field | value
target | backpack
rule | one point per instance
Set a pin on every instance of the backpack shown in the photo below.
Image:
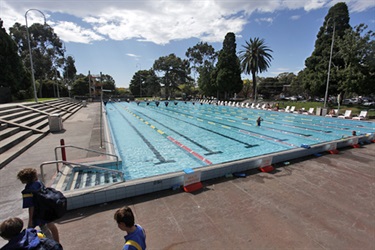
(49, 204)
(48, 244)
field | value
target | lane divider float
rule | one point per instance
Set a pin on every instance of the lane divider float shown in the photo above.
(179, 144)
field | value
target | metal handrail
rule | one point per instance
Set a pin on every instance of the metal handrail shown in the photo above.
(67, 163)
(86, 149)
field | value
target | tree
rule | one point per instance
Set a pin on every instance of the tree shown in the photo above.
(334, 26)
(206, 81)
(357, 52)
(108, 82)
(247, 88)
(122, 91)
(227, 75)
(70, 71)
(187, 89)
(46, 48)
(12, 71)
(176, 71)
(81, 85)
(270, 87)
(294, 87)
(298, 86)
(255, 58)
(145, 81)
(201, 55)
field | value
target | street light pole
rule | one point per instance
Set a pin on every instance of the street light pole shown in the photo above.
(31, 57)
(330, 62)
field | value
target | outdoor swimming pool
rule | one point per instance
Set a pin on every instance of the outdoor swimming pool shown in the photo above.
(156, 139)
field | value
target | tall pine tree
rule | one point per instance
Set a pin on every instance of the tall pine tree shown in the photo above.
(228, 72)
(315, 73)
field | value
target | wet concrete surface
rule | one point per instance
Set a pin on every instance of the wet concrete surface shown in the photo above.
(322, 202)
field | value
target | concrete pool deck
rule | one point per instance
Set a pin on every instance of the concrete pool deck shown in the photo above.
(322, 202)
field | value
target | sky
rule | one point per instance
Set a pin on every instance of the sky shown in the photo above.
(121, 37)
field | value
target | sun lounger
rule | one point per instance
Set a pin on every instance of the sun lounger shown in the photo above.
(309, 112)
(347, 115)
(361, 116)
(291, 110)
(285, 110)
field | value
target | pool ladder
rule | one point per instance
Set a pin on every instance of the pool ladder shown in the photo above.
(72, 175)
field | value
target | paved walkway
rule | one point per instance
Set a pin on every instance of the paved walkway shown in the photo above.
(316, 203)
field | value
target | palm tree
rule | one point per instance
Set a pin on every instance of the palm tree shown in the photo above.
(255, 58)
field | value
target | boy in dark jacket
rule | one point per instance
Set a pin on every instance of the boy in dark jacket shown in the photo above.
(29, 177)
(11, 230)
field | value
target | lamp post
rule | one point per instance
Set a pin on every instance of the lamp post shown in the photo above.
(101, 109)
(330, 62)
(31, 57)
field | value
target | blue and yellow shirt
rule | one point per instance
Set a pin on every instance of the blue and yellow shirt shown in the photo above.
(135, 240)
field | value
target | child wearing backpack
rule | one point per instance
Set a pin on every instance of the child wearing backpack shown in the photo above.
(28, 239)
(136, 236)
(29, 177)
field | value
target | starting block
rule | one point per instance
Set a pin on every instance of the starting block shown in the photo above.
(193, 187)
(192, 180)
(267, 169)
(333, 151)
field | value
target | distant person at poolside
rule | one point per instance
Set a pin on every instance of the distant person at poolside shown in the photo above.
(136, 235)
(28, 239)
(259, 120)
(277, 106)
(332, 112)
(29, 177)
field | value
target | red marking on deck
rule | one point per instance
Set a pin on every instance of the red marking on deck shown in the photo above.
(193, 187)
(333, 151)
(267, 169)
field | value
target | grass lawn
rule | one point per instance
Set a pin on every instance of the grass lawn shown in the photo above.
(33, 100)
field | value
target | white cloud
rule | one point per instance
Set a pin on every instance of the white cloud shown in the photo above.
(295, 17)
(282, 69)
(314, 4)
(266, 20)
(154, 21)
(172, 21)
(132, 55)
(356, 5)
(70, 32)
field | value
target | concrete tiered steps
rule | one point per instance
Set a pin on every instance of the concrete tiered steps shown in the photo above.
(23, 124)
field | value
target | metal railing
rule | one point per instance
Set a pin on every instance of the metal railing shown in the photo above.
(69, 164)
(86, 149)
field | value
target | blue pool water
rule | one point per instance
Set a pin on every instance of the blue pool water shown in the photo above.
(157, 139)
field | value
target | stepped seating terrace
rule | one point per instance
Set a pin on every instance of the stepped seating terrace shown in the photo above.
(23, 124)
